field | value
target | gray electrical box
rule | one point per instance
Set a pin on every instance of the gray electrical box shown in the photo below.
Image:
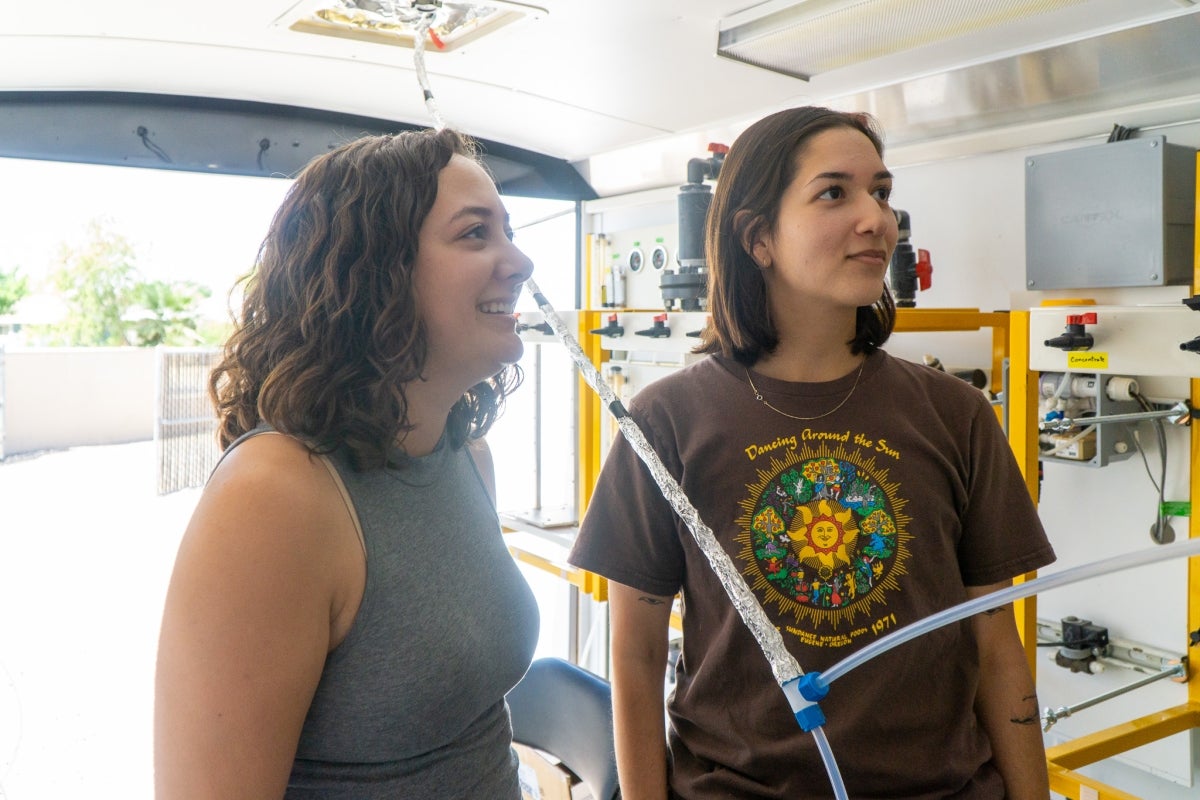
(1117, 214)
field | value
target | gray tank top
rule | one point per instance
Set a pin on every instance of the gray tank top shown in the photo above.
(411, 703)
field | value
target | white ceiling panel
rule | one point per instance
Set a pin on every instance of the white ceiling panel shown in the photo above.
(588, 80)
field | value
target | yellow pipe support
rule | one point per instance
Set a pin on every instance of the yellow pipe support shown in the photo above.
(1072, 784)
(588, 452)
(1193, 571)
(916, 320)
(1193, 567)
(1089, 749)
(590, 412)
(1000, 351)
(556, 568)
(587, 582)
(1022, 437)
(1063, 759)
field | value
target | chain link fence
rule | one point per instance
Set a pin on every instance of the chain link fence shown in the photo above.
(185, 428)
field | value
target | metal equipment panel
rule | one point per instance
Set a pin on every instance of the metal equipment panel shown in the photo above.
(1116, 214)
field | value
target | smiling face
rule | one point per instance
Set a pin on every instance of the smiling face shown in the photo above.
(467, 277)
(824, 534)
(835, 231)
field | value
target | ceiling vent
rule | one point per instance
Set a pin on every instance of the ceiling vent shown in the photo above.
(805, 38)
(397, 22)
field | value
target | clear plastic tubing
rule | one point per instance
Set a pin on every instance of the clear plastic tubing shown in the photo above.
(783, 664)
(1151, 555)
(835, 778)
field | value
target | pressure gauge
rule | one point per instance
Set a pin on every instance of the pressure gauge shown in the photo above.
(636, 260)
(658, 257)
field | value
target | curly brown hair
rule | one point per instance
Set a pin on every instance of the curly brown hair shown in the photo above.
(761, 164)
(329, 334)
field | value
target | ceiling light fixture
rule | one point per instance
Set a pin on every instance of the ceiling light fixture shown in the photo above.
(399, 22)
(803, 38)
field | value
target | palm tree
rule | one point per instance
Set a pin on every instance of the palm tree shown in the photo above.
(166, 313)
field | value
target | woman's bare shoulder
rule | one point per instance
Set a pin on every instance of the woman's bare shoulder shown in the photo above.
(271, 490)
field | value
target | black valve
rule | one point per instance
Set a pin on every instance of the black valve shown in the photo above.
(910, 270)
(611, 328)
(659, 330)
(1081, 643)
(902, 270)
(1075, 337)
(1193, 346)
(1082, 634)
(694, 334)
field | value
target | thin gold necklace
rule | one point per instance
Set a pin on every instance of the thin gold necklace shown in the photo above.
(758, 396)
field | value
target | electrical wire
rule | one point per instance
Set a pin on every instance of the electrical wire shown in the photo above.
(143, 133)
(1120, 133)
(264, 145)
(1160, 532)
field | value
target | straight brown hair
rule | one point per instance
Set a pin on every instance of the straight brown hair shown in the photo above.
(760, 165)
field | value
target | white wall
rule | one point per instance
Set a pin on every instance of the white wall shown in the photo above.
(66, 397)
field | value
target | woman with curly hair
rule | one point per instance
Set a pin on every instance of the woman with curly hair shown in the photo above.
(343, 619)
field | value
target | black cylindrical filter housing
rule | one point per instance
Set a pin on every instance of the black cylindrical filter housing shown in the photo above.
(694, 200)
(902, 271)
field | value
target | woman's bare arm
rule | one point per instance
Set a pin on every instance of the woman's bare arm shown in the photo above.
(267, 579)
(1007, 702)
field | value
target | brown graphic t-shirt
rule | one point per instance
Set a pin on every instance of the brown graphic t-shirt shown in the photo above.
(845, 528)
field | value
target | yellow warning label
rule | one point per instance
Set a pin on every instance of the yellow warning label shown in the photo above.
(1087, 359)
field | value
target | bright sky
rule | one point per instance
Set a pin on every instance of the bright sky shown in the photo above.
(182, 225)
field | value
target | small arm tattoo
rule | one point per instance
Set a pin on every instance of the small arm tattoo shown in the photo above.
(652, 601)
(1034, 718)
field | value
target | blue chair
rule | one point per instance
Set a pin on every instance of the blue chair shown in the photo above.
(566, 711)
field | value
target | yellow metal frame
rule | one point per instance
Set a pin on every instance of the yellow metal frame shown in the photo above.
(588, 582)
(1022, 438)
(1064, 759)
(1010, 339)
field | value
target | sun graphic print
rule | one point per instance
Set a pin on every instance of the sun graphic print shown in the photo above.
(823, 535)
